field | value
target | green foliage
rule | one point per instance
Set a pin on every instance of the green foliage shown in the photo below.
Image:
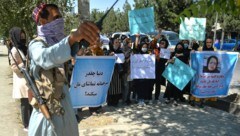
(116, 20)
(228, 13)
(16, 13)
(19, 13)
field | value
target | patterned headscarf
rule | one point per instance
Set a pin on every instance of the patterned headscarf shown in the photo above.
(36, 11)
(52, 32)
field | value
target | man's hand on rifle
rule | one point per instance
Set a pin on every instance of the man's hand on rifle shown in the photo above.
(88, 31)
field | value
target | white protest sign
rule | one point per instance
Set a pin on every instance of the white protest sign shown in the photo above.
(142, 66)
(120, 58)
(90, 80)
(165, 53)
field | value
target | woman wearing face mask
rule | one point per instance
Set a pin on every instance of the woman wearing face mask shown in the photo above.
(187, 50)
(160, 64)
(143, 86)
(114, 92)
(185, 43)
(20, 88)
(171, 90)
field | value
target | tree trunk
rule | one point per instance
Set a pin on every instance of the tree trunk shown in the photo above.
(83, 10)
(236, 48)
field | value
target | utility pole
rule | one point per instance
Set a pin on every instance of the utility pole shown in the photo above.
(215, 29)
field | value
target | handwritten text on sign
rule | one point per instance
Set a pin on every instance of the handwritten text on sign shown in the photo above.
(142, 66)
(178, 73)
(165, 53)
(141, 20)
(90, 81)
(212, 84)
(193, 29)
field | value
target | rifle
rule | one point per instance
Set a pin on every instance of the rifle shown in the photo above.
(31, 84)
(99, 24)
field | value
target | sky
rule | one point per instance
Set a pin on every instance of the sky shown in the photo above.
(103, 5)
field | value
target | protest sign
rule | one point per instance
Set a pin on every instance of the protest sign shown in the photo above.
(178, 73)
(90, 80)
(165, 53)
(120, 58)
(142, 66)
(141, 20)
(214, 72)
(192, 29)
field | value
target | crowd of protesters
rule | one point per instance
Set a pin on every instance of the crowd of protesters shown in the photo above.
(122, 88)
(141, 90)
(130, 91)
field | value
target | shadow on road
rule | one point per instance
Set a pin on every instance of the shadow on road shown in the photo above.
(161, 119)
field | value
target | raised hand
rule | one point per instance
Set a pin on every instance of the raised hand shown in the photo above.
(87, 31)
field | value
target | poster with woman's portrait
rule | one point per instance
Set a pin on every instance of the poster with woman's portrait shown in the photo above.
(211, 64)
(214, 72)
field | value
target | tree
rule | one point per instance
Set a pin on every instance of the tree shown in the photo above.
(124, 17)
(109, 24)
(19, 13)
(16, 13)
(227, 10)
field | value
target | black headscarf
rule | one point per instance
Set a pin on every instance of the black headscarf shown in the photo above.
(140, 48)
(166, 41)
(205, 48)
(15, 35)
(176, 50)
(111, 44)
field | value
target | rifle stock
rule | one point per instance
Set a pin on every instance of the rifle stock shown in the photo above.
(44, 111)
(35, 91)
(41, 103)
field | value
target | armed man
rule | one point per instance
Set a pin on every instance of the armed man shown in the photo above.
(47, 54)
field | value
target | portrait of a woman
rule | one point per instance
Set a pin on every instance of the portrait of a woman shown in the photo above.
(212, 65)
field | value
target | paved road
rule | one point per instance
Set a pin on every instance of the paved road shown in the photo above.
(9, 116)
(150, 120)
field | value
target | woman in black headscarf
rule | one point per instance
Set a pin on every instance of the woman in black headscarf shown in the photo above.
(17, 56)
(115, 92)
(212, 65)
(18, 39)
(171, 90)
(208, 45)
(160, 67)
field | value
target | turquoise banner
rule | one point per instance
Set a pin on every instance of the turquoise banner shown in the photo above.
(192, 29)
(90, 80)
(178, 73)
(214, 73)
(141, 20)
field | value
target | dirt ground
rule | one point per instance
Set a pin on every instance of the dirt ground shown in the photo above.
(10, 124)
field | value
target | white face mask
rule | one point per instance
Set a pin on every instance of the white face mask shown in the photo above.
(144, 49)
(185, 45)
(115, 47)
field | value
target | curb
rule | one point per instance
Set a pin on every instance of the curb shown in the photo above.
(230, 104)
